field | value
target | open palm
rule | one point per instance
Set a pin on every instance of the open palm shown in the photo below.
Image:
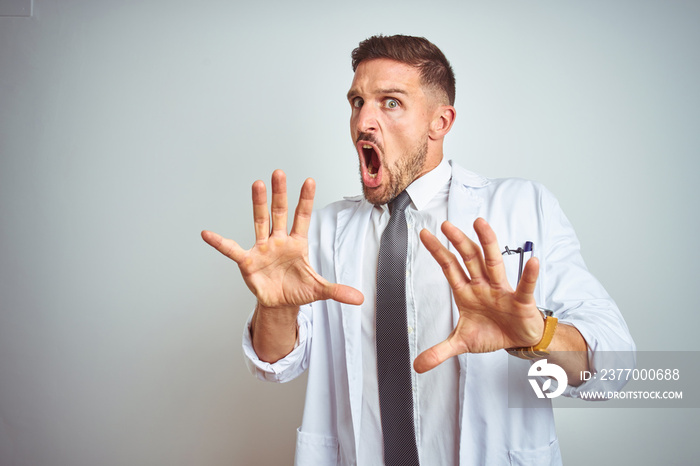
(492, 315)
(277, 269)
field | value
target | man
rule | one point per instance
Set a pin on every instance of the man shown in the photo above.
(401, 99)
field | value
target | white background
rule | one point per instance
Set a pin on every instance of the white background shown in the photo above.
(128, 127)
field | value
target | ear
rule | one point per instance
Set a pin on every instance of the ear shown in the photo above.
(443, 118)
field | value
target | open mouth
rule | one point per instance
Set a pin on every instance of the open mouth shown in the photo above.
(371, 160)
(370, 163)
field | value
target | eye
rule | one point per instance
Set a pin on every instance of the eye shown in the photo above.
(391, 103)
(357, 102)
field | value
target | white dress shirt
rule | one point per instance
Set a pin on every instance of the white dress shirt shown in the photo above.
(429, 320)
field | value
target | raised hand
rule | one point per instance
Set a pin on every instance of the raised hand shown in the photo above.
(492, 315)
(277, 269)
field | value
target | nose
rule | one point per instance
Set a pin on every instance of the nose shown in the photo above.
(366, 119)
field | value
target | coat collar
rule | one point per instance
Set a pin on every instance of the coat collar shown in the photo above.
(465, 199)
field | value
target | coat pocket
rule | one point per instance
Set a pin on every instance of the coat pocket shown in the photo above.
(549, 455)
(316, 450)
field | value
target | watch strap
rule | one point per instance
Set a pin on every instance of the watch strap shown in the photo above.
(539, 350)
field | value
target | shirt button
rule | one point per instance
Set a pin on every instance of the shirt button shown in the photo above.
(410, 330)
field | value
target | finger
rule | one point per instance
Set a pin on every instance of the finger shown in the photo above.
(302, 215)
(468, 249)
(225, 246)
(434, 356)
(278, 206)
(524, 292)
(261, 217)
(493, 259)
(450, 266)
(343, 294)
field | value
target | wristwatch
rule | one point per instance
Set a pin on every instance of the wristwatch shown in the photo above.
(539, 350)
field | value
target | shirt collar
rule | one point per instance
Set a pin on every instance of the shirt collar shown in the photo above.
(425, 188)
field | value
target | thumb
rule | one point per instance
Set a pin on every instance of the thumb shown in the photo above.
(344, 294)
(434, 356)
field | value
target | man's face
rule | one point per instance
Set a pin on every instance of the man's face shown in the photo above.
(389, 125)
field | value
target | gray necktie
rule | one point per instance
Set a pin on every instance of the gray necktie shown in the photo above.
(393, 354)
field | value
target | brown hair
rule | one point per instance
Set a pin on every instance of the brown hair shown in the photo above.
(434, 68)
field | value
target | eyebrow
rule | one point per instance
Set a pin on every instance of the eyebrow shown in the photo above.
(394, 90)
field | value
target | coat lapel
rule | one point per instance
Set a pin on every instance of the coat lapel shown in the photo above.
(348, 251)
(464, 205)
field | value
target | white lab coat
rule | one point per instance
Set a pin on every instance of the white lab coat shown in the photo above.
(490, 432)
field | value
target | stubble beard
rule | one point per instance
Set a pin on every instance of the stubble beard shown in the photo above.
(399, 176)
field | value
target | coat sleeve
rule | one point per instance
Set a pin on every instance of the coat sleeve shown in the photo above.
(289, 367)
(578, 299)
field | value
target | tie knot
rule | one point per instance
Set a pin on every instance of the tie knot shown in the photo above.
(400, 202)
